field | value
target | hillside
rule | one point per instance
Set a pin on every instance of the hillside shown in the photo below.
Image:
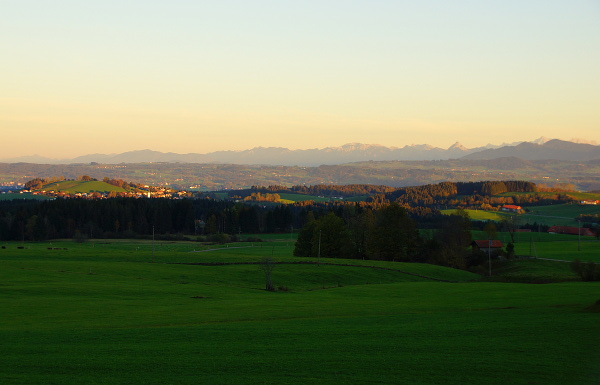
(584, 175)
(74, 187)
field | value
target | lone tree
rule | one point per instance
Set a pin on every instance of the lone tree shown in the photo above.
(490, 230)
(511, 224)
(267, 265)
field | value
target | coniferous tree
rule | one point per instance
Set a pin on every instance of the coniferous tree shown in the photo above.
(394, 237)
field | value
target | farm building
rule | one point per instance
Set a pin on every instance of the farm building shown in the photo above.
(493, 246)
(570, 230)
(589, 202)
(512, 208)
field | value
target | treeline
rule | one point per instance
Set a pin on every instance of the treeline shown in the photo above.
(440, 194)
(452, 189)
(131, 217)
(482, 195)
(325, 189)
(443, 189)
(589, 218)
(39, 183)
(388, 233)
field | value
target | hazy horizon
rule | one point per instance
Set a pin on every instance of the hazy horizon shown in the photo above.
(197, 77)
(491, 145)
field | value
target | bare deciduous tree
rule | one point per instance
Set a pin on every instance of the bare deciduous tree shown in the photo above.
(267, 265)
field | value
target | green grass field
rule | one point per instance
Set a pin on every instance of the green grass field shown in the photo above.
(576, 195)
(124, 312)
(563, 214)
(479, 215)
(526, 237)
(560, 214)
(587, 250)
(17, 196)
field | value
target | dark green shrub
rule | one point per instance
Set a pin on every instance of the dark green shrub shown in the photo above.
(587, 271)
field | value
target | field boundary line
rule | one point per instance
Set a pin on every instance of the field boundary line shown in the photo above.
(223, 248)
(310, 263)
(560, 260)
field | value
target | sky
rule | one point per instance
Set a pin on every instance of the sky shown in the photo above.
(80, 77)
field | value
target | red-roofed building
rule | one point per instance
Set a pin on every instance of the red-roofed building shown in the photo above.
(512, 208)
(493, 246)
(571, 230)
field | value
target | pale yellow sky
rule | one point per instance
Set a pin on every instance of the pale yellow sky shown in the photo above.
(79, 78)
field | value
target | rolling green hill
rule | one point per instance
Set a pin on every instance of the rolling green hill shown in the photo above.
(73, 187)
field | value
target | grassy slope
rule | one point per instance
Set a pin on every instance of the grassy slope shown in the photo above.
(532, 271)
(98, 313)
(72, 187)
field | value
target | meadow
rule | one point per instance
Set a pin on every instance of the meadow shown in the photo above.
(550, 215)
(74, 186)
(123, 312)
(22, 196)
(575, 194)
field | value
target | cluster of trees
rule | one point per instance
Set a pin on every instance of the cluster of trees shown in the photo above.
(387, 233)
(39, 183)
(473, 195)
(119, 183)
(342, 190)
(262, 197)
(591, 218)
(589, 271)
(451, 189)
(592, 222)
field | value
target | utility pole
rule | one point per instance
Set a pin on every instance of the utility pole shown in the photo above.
(152, 243)
(490, 255)
(319, 254)
(579, 238)
(551, 216)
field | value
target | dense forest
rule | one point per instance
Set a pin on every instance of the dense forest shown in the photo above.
(443, 189)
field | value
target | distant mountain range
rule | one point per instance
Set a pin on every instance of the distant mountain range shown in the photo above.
(539, 149)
